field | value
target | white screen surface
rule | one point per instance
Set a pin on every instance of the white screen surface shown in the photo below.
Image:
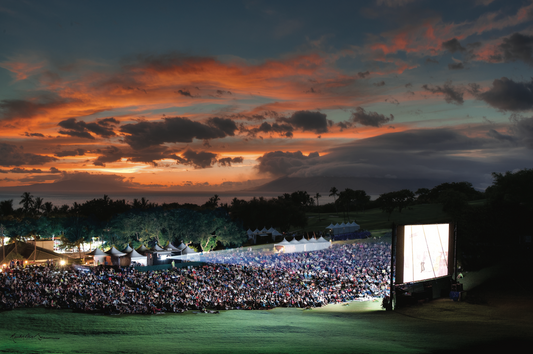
(425, 252)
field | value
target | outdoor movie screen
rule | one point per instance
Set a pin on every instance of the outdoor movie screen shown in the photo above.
(423, 252)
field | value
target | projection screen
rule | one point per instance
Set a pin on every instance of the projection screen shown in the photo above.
(424, 252)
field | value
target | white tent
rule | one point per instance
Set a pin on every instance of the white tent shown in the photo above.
(127, 249)
(322, 243)
(99, 256)
(143, 249)
(116, 256)
(305, 244)
(311, 245)
(134, 256)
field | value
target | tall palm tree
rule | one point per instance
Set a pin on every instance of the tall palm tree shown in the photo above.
(317, 195)
(27, 202)
(334, 192)
(38, 205)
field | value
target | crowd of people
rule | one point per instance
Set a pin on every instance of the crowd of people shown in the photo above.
(240, 280)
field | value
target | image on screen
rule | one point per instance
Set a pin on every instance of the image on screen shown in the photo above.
(425, 252)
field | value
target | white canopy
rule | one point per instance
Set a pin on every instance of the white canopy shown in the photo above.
(127, 249)
(115, 253)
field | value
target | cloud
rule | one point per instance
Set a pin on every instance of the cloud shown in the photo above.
(76, 152)
(226, 125)
(451, 93)
(517, 47)
(309, 121)
(109, 154)
(363, 75)
(393, 3)
(227, 161)
(12, 155)
(185, 93)
(381, 83)
(456, 66)
(507, 95)
(431, 61)
(279, 163)
(11, 109)
(174, 130)
(440, 155)
(453, 46)
(372, 119)
(201, 159)
(523, 130)
(285, 130)
(31, 135)
(33, 170)
(102, 127)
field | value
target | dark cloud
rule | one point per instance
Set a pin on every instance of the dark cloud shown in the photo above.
(33, 170)
(309, 121)
(12, 155)
(381, 83)
(16, 109)
(344, 125)
(362, 75)
(201, 159)
(517, 47)
(109, 154)
(453, 46)
(172, 130)
(38, 135)
(408, 85)
(76, 152)
(451, 93)
(281, 129)
(456, 66)
(224, 124)
(431, 61)
(442, 155)
(223, 92)
(185, 93)
(227, 161)
(372, 119)
(507, 95)
(499, 136)
(103, 127)
(523, 130)
(279, 163)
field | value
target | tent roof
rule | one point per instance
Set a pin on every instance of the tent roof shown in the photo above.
(158, 248)
(331, 226)
(143, 248)
(97, 252)
(294, 240)
(282, 243)
(312, 240)
(114, 252)
(171, 247)
(127, 249)
(322, 239)
(303, 240)
(134, 254)
(276, 233)
(188, 250)
(26, 250)
(182, 246)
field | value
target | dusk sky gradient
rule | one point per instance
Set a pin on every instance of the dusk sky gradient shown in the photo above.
(220, 95)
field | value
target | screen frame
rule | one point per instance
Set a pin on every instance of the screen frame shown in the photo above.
(400, 252)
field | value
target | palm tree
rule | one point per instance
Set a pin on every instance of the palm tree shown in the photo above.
(317, 195)
(27, 202)
(38, 205)
(334, 192)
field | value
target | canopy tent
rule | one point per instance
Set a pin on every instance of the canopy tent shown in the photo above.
(134, 256)
(171, 247)
(143, 249)
(99, 256)
(28, 252)
(158, 248)
(312, 245)
(187, 254)
(116, 257)
(127, 249)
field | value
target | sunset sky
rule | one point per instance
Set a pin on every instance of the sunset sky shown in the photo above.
(231, 94)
